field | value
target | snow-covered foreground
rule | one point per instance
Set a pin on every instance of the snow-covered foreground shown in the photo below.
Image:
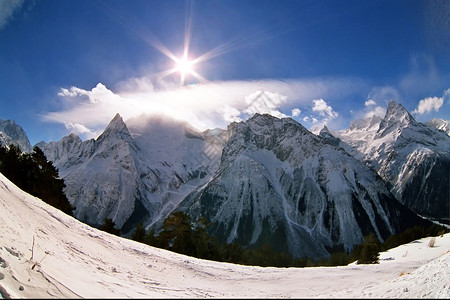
(70, 259)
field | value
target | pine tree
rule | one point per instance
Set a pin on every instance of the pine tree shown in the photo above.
(32, 173)
(139, 233)
(177, 233)
(370, 250)
(109, 226)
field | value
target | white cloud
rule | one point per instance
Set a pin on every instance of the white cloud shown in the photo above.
(384, 94)
(80, 129)
(323, 108)
(422, 76)
(295, 112)
(209, 105)
(377, 111)
(264, 102)
(447, 95)
(306, 119)
(370, 102)
(428, 104)
(230, 114)
(7, 10)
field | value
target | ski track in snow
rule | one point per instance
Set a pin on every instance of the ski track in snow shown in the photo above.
(69, 259)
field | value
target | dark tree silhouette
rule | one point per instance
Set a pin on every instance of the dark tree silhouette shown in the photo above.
(34, 174)
(109, 226)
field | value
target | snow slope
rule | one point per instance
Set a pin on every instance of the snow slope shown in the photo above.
(69, 259)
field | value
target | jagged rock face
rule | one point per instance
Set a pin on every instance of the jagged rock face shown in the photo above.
(411, 157)
(136, 173)
(280, 184)
(11, 133)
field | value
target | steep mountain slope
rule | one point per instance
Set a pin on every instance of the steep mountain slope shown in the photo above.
(280, 184)
(101, 175)
(136, 174)
(12, 133)
(411, 157)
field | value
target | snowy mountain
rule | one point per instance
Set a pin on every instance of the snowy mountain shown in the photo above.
(411, 157)
(135, 173)
(12, 133)
(266, 180)
(440, 124)
(45, 253)
(280, 184)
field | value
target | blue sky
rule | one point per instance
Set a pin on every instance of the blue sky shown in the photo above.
(72, 65)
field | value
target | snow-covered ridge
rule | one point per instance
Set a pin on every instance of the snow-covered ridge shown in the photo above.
(413, 158)
(440, 124)
(46, 254)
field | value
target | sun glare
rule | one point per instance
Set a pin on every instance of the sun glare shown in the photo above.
(184, 66)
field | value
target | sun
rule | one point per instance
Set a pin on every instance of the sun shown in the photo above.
(184, 66)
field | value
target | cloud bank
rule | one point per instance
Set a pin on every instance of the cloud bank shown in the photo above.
(205, 106)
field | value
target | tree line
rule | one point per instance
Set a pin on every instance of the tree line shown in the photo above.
(34, 174)
(183, 235)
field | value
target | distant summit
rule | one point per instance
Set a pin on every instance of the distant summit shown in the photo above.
(440, 124)
(412, 158)
(11, 133)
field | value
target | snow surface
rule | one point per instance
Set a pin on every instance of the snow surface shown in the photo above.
(69, 259)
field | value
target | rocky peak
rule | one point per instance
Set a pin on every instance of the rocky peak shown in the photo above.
(396, 118)
(12, 133)
(266, 132)
(327, 135)
(116, 128)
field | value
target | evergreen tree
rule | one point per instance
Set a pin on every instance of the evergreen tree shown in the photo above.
(139, 233)
(150, 238)
(369, 250)
(201, 240)
(32, 173)
(109, 226)
(177, 233)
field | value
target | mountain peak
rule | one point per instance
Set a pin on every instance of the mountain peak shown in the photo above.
(116, 127)
(396, 117)
(12, 133)
(397, 112)
(325, 129)
(116, 124)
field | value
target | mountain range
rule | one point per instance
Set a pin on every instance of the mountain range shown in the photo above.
(265, 180)
(411, 157)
